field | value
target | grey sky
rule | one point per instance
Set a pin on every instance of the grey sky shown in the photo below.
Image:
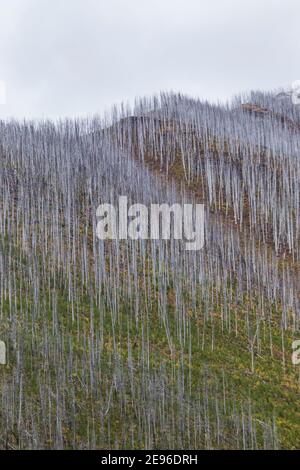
(78, 57)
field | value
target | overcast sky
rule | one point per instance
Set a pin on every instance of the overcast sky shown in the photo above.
(78, 57)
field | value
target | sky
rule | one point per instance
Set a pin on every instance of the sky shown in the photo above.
(63, 58)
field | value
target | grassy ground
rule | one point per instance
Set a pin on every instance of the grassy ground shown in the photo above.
(98, 368)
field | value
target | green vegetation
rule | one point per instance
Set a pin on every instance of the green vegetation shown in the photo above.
(141, 344)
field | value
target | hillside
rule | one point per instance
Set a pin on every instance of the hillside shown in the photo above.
(140, 343)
